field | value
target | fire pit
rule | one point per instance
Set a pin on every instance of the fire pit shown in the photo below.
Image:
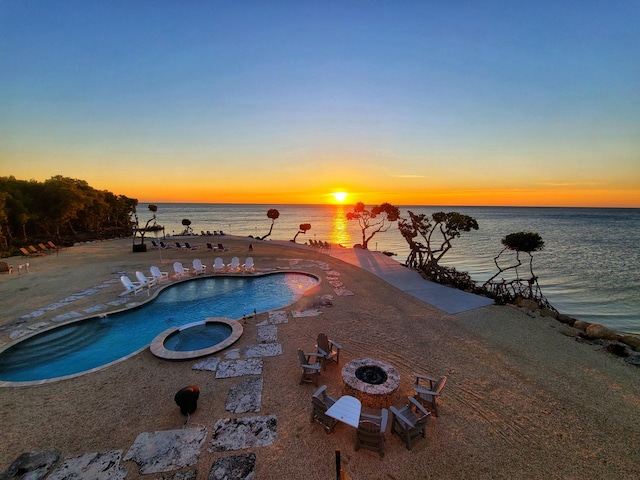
(371, 381)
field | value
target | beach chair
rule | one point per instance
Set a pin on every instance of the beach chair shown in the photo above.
(328, 350)
(53, 245)
(144, 281)
(27, 253)
(158, 275)
(428, 395)
(234, 266)
(165, 246)
(320, 403)
(129, 286)
(5, 267)
(198, 267)
(410, 422)
(179, 270)
(44, 249)
(154, 244)
(310, 367)
(248, 266)
(221, 247)
(188, 246)
(370, 431)
(219, 266)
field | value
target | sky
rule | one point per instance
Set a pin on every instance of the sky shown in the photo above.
(428, 102)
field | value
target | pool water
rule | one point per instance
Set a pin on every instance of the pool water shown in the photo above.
(198, 337)
(88, 344)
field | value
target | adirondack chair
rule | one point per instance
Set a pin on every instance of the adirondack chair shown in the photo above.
(328, 350)
(198, 267)
(428, 396)
(320, 403)
(410, 422)
(310, 367)
(370, 431)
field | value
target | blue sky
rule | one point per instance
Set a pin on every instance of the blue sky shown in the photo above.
(409, 102)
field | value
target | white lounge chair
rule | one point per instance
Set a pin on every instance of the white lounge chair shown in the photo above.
(248, 265)
(158, 275)
(198, 267)
(129, 286)
(234, 266)
(179, 270)
(144, 281)
(219, 266)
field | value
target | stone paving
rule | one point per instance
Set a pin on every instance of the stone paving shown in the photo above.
(172, 450)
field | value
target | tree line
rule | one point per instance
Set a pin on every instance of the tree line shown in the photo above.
(62, 209)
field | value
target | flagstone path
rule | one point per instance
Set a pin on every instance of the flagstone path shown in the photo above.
(172, 450)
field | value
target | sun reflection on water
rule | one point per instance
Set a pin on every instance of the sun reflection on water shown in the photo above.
(340, 232)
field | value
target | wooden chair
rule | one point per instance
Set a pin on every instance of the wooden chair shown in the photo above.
(370, 431)
(428, 396)
(310, 367)
(410, 422)
(327, 349)
(320, 403)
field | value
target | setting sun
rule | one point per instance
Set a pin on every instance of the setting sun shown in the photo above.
(339, 196)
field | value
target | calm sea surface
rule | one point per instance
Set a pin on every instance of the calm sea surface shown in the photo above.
(589, 268)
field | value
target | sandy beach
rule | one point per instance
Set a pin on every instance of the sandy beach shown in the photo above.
(524, 398)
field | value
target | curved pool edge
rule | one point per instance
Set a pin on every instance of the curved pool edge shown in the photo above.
(158, 349)
(136, 302)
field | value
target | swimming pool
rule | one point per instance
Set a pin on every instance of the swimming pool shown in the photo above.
(94, 343)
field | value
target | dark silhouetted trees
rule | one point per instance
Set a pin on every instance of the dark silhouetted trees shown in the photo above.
(304, 228)
(273, 214)
(62, 209)
(378, 219)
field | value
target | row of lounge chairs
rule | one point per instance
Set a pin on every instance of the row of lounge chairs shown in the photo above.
(319, 244)
(408, 422)
(143, 282)
(43, 250)
(187, 246)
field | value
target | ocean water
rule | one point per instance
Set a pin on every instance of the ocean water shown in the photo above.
(589, 268)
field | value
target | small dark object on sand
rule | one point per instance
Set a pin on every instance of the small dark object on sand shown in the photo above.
(187, 399)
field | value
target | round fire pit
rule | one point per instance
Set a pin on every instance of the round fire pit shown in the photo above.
(371, 381)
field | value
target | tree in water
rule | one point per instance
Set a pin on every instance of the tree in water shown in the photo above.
(186, 223)
(304, 227)
(141, 231)
(273, 214)
(378, 219)
(429, 239)
(508, 291)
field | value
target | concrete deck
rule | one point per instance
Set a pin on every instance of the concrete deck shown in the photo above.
(445, 298)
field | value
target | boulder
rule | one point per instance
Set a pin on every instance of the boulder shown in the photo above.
(632, 341)
(580, 325)
(547, 312)
(566, 319)
(595, 330)
(527, 304)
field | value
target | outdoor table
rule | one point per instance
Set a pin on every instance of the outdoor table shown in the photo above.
(347, 410)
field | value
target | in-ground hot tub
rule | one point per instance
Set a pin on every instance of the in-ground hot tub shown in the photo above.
(371, 381)
(196, 339)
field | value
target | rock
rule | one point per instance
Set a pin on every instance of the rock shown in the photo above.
(595, 330)
(566, 319)
(527, 304)
(580, 325)
(633, 359)
(547, 312)
(632, 341)
(32, 465)
(619, 349)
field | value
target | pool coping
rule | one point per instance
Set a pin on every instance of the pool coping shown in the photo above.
(129, 306)
(158, 349)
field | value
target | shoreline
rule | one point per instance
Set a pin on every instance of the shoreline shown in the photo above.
(521, 395)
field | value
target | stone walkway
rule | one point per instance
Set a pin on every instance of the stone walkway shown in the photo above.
(168, 451)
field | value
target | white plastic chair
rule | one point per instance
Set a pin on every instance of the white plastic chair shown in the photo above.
(179, 270)
(144, 281)
(198, 267)
(234, 266)
(158, 275)
(248, 265)
(219, 266)
(129, 286)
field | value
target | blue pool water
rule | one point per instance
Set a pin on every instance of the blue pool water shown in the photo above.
(198, 337)
(92, 343)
